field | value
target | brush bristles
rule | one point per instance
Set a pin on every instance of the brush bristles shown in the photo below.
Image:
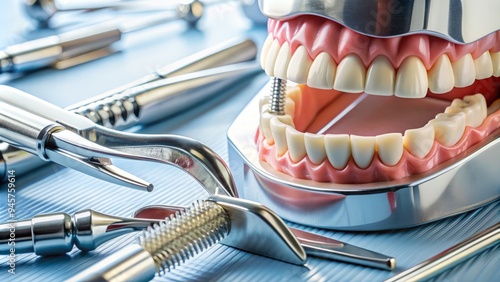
(186, 234)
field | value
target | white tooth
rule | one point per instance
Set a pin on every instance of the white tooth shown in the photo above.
(278, 129)
(271, 57)
(448, 127)
(265, 50)
(315, 147)
(265, 126)
(338, 149)
(495, 59)
(484, 66)
(495, 106)
(282, 61)
(390, 148)
(299, 66)
(474, 108)
(441, 79)
(350, 75)
(296, 146)
(263, 101)
(363, 149)
(322, 72)
(289, 107)
(419, 141)
(464, 71)
(380, 77)
(411, 79)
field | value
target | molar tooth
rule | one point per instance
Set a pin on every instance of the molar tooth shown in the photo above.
(278, 129)
(363, 149)
(495, 59)
(315, 147)
(322, 72)
(299, 66)
(441, 78)
(390, 148)
(338, 149)
(265, 50)
(282, 61)
(411, 79)
(296, 146)
(419, 141)
(484, 66)
(350, 75)
(271, 57)
(464, 71)
(448, 127)
(380, 77)
(263, 101)
(474, 108)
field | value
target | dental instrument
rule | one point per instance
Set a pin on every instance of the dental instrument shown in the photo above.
(452, 256)
(313, 244)
(238, 223)
(117, 109)
(58, 233)
(318, 178)
(43, 10)
(85, 44)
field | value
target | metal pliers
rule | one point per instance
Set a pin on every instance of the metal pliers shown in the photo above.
(57, 135)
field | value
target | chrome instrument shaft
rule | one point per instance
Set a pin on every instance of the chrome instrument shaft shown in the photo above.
(58, 233)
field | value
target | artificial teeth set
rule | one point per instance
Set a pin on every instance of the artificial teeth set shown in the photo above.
(378, 115)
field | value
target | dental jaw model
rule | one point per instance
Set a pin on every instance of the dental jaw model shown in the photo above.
(378, 128)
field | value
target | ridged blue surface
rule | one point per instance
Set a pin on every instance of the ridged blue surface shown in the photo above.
(53, 189)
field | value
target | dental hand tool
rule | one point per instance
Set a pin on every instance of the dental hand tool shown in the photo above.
(116, 109)
(85, 44)
(452, 256)
(459, 21)
(242, 224)
(313, 244)
(58, 233)
(43, 10)
(52, 133)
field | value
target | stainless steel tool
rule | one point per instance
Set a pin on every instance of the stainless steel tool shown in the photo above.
(43, 10)
(58, 233)
(238, 223)
(84, 44)
(452, 256)
(54, 134)
(459, 21)
(314, 245)
(121, 109)
(463, 183)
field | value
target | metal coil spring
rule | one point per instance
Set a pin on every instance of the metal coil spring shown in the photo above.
(186, 234)
(277, 97)
(114, 112)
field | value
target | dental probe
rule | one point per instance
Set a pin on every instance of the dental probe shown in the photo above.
(452, 256)
(85, 44)
(104, 107)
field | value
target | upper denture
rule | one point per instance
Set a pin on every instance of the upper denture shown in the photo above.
(318, 35)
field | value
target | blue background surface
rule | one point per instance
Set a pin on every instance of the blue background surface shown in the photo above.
(54, 189)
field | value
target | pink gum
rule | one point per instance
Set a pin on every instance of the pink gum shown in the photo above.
(377, 171)
(322, 35)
